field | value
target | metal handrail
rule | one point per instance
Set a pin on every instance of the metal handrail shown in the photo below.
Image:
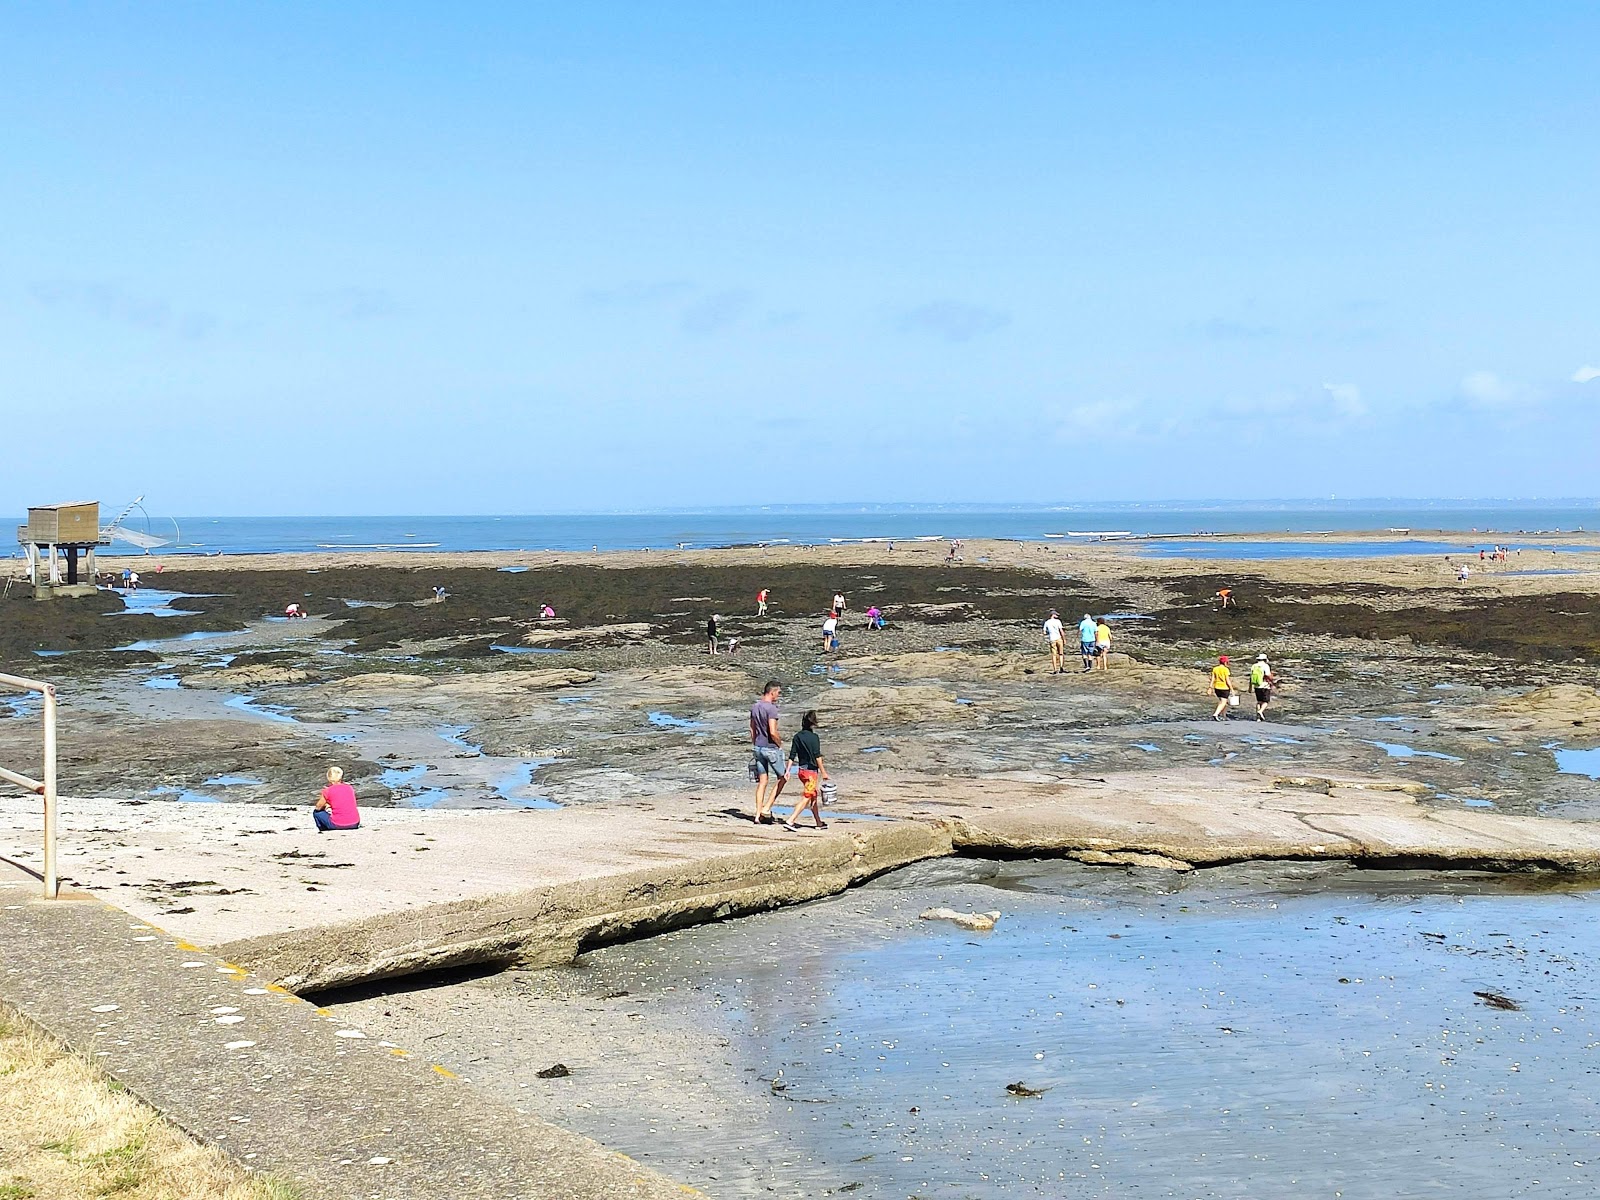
(45, 787)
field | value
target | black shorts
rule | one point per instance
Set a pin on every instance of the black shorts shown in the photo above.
(1222, 693)
(1263, 695)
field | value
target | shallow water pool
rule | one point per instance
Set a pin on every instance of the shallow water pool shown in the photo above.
(1578, 762)
(1244, 1032)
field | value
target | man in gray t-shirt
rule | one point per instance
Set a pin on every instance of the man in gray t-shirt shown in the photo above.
(768, 765)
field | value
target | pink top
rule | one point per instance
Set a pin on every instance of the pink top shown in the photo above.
(341, 798)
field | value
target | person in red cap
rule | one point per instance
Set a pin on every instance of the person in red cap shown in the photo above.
(1221, 687)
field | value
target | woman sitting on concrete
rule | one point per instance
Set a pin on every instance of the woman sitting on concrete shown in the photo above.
(336, 806)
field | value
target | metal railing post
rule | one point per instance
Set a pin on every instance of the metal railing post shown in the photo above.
(52, 886)
(45, 787)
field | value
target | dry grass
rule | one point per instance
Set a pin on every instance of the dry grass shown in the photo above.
(67, 1132)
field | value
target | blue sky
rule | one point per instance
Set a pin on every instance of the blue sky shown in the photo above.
(521, 258)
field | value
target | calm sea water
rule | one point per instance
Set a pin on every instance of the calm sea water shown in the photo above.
(842, 523)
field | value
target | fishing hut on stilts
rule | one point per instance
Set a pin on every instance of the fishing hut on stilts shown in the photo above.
(59, 542)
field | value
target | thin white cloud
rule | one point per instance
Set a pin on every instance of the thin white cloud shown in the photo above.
(1346, 399)
(1585, 374)
(1485, 389)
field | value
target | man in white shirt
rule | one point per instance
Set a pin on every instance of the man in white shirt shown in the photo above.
(1056, 635)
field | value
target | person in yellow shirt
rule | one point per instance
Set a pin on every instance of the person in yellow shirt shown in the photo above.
(1102, 645)
(1221, 687)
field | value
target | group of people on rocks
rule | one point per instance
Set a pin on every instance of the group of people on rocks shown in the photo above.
(1094, 642)
(830, 623)
(772, 764)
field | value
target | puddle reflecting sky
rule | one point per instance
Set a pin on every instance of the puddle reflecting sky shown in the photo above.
(1213, 1036)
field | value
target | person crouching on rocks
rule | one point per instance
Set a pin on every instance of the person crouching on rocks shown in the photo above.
(805, 753)
(336, 806)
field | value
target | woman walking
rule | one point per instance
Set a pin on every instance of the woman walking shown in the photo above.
(1222, 688)
(805, 752)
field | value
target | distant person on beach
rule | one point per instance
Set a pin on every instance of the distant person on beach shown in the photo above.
(1086, 635)
(1102, 644)
(1225, 599)
(830, 632)
(546, 612)
(1221, 687)
(761, 603)
(711, 632)
(838, 604)
(336, 806)
(1463, 573)
(874, 617)
(805, 753)
(767, 765)
(294, 611)
(438, 594)
(1261, 681)
(1055, 633)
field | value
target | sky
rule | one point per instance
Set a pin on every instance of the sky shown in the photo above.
(369, 258)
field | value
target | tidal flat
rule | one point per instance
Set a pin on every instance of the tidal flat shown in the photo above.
(1254, 1030)
(1260, 1030)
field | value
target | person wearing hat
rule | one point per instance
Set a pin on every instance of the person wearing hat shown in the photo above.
(1261, 681)
(1221, 687)
(1056, 635)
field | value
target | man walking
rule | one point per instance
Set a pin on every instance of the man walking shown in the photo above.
(1261, 681)
(1086, 636)
(768, 765)
(1056, 634)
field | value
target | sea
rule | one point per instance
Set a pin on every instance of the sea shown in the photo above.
(1499, 522)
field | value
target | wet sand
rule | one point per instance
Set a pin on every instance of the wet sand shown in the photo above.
(1259, 1030)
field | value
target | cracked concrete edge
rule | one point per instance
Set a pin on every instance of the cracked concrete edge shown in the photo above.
(1328, 836)
(551, 925)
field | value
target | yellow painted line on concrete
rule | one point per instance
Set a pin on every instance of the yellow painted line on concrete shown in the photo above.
(445, 1071)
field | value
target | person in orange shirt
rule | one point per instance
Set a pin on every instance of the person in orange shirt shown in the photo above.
(1225, 599)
